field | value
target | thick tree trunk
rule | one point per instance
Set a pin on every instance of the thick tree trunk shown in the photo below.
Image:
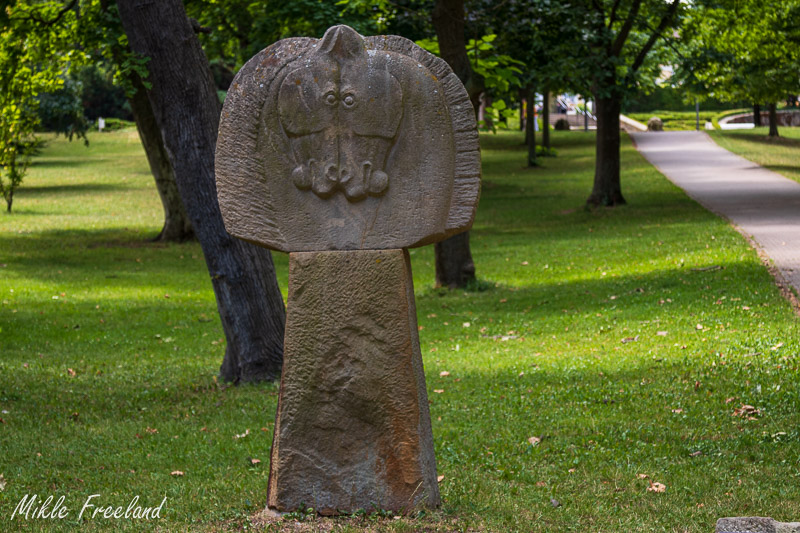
(521, 94)
(454, 266)
(757, 115)
(177, 226)
(530, 127)
(185, 106)
(773, 120)
(607, 190)
(448, 21)
(546, 119)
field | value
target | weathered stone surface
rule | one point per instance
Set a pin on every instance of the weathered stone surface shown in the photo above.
(347, 143)
(655, 124)
(755, 524)
(353, 427)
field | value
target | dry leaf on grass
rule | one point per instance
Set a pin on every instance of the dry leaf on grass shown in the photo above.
(71, 372)
(255, 461)
(242, 435)
(440, 479)
(534, 441)
(655, 486)
(176, 473)
(444, 374)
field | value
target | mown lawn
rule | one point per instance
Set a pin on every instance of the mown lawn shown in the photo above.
(624, 339)
(780, 154)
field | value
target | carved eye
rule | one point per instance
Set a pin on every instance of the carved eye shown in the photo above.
(330, 98)
(349, 100)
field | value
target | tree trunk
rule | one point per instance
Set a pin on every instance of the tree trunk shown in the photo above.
(177, 226)
(488, 121)
(186, 109)
(521, 94)
(448, 21)
(454, 266)
(530, 127)
(757, 115)
(607, 190)
(773, 120)
(546, 119)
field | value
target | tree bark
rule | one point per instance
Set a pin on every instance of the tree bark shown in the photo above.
(546, 119)
(454, 266)
(521, 94)
(448, 21)
(530, 127)
(773, 120)
(177, 226)
(186, 109)
(757, 115)
(607, 190)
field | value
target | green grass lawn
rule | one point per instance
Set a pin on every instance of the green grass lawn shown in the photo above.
(683, 120)
(623, 338)
(781, 154)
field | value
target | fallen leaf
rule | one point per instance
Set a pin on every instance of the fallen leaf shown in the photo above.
(571, 470)
(656, 487)
(440, 479)
(661, 333)
(71, 372)
(642, 476)
(444, 374)
(242, 435)
(176, 473)
(699, 326)
(626, 340)
(503, 300)
(524, 263)
(746, 308)
(466, 324)
(151, 430)
(541, 484)
(2, 483)
(534, 441)
(677, 411)
(695, 454)
(438, 391)
(747, 411)
(776, 346)
(255, 461)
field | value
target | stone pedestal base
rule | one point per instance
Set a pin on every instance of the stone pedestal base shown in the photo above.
(353, 427)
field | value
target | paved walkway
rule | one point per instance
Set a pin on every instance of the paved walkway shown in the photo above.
(760, 202)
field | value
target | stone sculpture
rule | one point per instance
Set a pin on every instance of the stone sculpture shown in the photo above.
(345, 151)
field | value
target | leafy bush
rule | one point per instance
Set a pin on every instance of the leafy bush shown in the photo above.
(561, 124)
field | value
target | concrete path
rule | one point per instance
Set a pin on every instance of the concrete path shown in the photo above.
(760, 202)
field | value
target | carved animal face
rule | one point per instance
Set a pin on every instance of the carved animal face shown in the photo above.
(341, 112)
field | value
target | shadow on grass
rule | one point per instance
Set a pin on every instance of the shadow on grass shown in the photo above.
(765, 139)
(77, 188)
(60, 163)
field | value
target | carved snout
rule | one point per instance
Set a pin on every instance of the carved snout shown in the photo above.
(326, 178)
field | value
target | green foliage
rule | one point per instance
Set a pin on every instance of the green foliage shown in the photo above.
(241, 28)
(741, 50)
(501, 73)
(61, 111)
(32, 61)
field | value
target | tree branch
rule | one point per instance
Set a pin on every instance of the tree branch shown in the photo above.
(625, 30)
(34, 16)
(613, 17)
(665, 21)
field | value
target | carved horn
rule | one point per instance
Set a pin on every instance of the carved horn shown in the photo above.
(342, 42)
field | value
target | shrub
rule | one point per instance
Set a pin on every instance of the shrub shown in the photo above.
(655, 124)
(561, 124)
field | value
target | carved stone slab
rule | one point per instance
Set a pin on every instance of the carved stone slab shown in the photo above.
(347, 143)
(353, 428)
